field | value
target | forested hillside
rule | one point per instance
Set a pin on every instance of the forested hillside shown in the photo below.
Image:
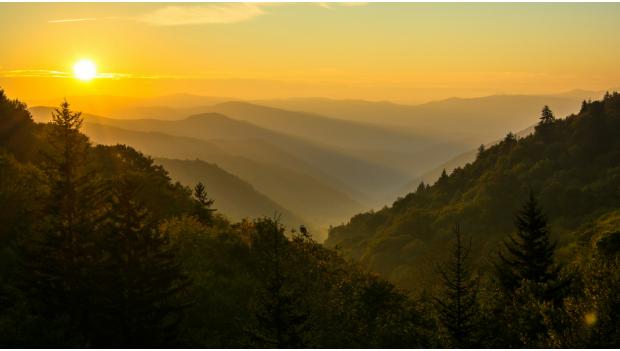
(572, 164)
(276, 172)
(99, 248)
(233, 197)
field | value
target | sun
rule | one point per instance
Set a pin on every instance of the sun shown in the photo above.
(85, 70)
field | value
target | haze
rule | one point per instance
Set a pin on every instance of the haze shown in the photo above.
(408, 53)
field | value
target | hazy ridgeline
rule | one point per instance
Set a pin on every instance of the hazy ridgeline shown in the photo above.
(340, 156)
(101, 248)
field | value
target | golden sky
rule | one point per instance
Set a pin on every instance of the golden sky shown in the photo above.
(377, 51)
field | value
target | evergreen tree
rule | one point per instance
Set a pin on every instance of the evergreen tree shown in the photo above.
(280, 317)
(584, 106)
(59, 267)
(141, 280)
(510, 138)
(204, 212)
(546, 120)
(458, 307)
(546, 116)
(528, 255)
(481, 149)
(421, 188)
(443, 178)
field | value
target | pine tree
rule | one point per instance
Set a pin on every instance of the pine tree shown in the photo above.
(141, 278)
(204, 212)
(528, 255)
(458, 307)
(59, 267)
(481, 149)
(584, 106)
(443, 178)
(546, 116)
(421, 188)
(280, 319)
(510, 138)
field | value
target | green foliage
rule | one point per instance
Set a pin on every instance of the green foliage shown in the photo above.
(573, 169)
(204, 212)
(529, 254)
(16, 128)
(458, 305)
(140, 277)
(100, 249)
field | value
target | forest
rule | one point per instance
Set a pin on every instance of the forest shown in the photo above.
(100, 248)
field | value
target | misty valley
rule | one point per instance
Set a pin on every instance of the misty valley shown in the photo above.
(304, 175)
(241, 224)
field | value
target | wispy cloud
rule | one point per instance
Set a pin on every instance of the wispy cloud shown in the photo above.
(214, 13)
(202, 14)
(72, 20)
(330, 5)
(34, 73)
(44, 73)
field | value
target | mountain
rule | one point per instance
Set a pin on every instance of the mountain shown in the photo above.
(158, 107)
(571, 164)
(404, 151)
(233, 197)
(320, 203)
(282, 177)
(338, 169)
(470, 120)
(458, 161)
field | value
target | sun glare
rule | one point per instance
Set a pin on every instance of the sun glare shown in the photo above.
(85, 70)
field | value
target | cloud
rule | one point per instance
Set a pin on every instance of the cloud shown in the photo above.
(201, 14)
(46, 73)
(330, 5)
(34, 73)
(72, 20)
(352, 4)
(214, 13)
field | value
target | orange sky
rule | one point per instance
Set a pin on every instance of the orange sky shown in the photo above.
(399, 52)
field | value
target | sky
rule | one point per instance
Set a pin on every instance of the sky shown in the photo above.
(403, 52)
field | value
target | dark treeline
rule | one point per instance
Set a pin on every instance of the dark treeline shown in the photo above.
(541, 269)
(100, 249)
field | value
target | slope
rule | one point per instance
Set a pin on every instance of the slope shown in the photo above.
(233, 197)
(364, 180)
(471, 120)
(571, 164)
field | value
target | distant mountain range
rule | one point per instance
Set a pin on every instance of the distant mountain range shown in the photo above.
(234, 197)
(283, 177)
(471, 120)
(319, 160)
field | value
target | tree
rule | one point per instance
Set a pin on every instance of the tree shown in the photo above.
(16, 127)
(528, 255)
(204, 212)
(59, 267)
(279, 313)
(458, 307)
(141, 278)
(481, 149)
(421, 188)
(546, 116)
(546, 119)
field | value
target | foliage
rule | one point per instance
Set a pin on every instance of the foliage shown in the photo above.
(458, 306)
(573, 169)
